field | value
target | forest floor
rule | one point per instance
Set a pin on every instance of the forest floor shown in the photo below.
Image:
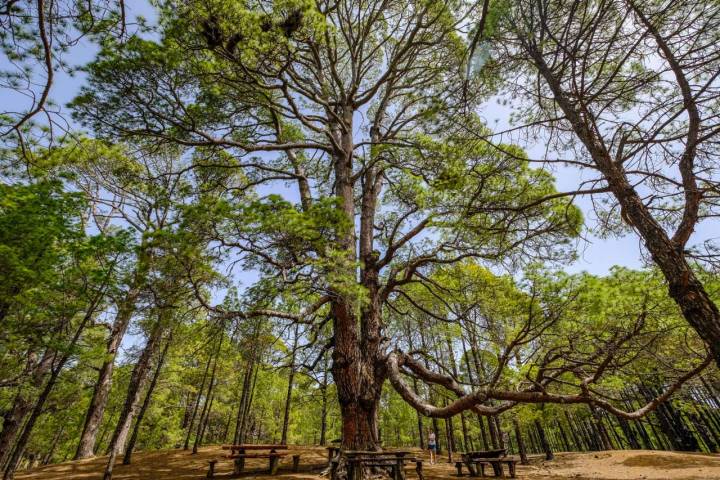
(181, 465)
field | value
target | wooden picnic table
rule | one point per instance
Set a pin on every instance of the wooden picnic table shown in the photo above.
(477, 460)
(495, 453)
(272, 452)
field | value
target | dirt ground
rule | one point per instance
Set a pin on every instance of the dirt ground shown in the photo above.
(181, 465)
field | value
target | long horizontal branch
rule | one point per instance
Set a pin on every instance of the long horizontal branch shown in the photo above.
(474, 400)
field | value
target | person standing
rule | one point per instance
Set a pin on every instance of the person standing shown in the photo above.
(432, 446)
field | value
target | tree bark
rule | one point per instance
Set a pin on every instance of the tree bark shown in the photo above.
(57, 368)
(196, 405)
(208, 396)
(148, 395)
(543, 441)
(667, 253)
(358, 377)
(324, 399)
(521, 444)
(137, 381)
(288, 396)
(22, 405)
(101, 392)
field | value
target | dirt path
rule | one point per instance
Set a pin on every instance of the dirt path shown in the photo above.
(181, 465)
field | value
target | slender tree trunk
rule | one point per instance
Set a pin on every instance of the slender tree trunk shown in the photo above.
(521, 444)
(421, 430)
(143, 409)
(481, 424)
(324, 399)
(543, 441)
(501, 440)
(563, 436)
(189, 401)
(196, 405)
(602, 433)
(14, 418)
(576, 439)
(22, 441)
(53, 446)
(672, 424)
(205, 411)
(247, 376)
(137, 381)
(288, 396)
(101, 392)
(246, 414)
(493, 432)
(450, 439)
(206, 421)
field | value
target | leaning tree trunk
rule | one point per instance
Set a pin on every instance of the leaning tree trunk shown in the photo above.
(137, 381)
(14, 459)
(101, 392)
(146, 404)
(668, 253)
(14, 418)
(521, 444)
(543, 441)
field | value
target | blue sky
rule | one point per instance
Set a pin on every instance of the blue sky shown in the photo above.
(595, 255)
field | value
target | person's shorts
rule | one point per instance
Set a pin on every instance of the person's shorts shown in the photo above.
(432, 448)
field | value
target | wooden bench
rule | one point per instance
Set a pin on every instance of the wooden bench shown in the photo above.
(480, 463)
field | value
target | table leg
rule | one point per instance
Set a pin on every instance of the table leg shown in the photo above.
(274, 461)
(239, 466)
(419, 469)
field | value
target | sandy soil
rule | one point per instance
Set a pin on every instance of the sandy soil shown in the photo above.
(181, 465)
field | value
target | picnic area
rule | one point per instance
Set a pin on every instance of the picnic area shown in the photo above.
(607, 465)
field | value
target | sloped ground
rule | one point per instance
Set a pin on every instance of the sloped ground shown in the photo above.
(181, 465)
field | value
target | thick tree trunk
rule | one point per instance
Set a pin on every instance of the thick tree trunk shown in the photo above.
(101, 392)
(358, 375)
